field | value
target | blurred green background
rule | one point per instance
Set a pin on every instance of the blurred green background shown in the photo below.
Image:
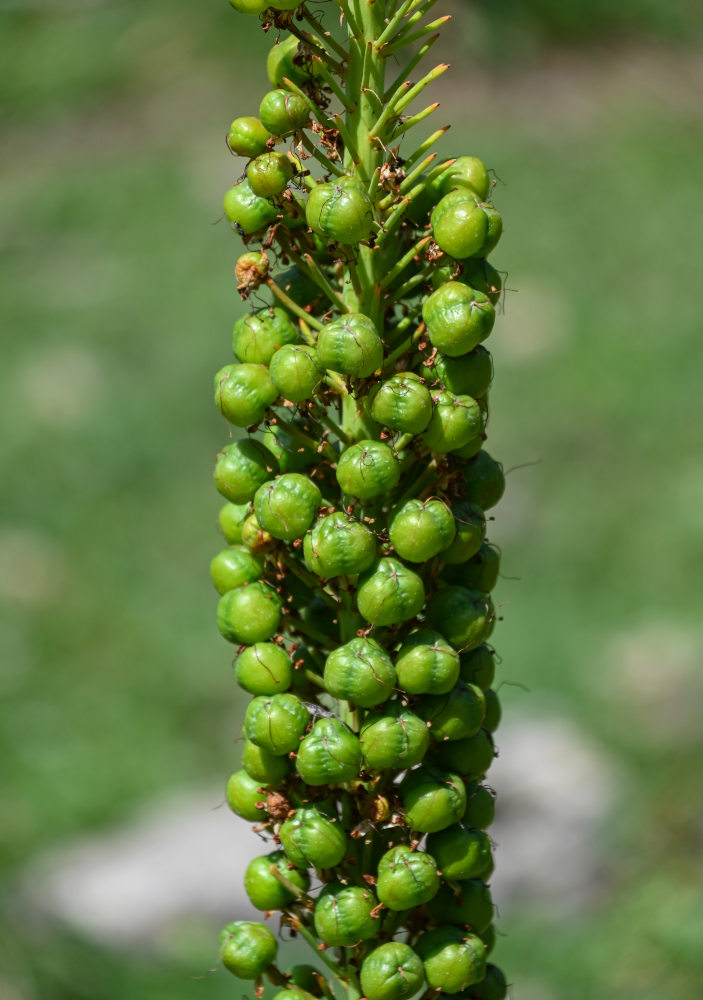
(118, 299)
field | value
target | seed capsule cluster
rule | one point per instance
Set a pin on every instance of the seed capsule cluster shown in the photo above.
(356, 583)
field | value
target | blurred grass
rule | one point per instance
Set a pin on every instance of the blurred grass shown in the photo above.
(118, 299)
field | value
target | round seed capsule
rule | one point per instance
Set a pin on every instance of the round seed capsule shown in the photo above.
(310, 840)
(466, 616)
(241, 468)
(489, 938)
(456, 421)
(460, 851)
(286, 507)
(247, 136)
(234, 567)
(249, 614)
(464, 228)
(426, 663)
(262, 887)
(392, 972)
(230, 519)
(481, 571)
(470, 531)
(276, 723)
(458, 318)
(247, 211)
(243, 393)
(343, 915)
(402, 402)
(432, 799)
(263, 766)
(295, 372)
(395, 739)
(456, 715)
(282, 112)
(339, 545)
(247, 949)
(288, 59)
(269, 174)
(390, 593)
(367, 469)
(254, 537)
(264, 668)
(406, 878)
(453, 959)
(420, 529)
(470, 757)
(257, 336)
(469, 375)
(482, 276)
(350, 345)
(291, 454)
(480, 806)
(330, 753)
(466, 172)
(469, 902)
(360, 671)
(242, 793)
(484, 481)
(493, 711)
(478, 667)
(340, 212)
(494, 986)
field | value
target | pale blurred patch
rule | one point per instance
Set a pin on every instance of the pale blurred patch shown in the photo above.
(60, 386)
(535, 323)
(33, 569)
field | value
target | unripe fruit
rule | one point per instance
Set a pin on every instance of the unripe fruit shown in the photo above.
(243, 793)
(290, 453)
(456, 420)
(264, 889)
(230, 519)
(402, 402)
(468, 375)
(288, 58)
(390, 593)
(343, 915)
(466, 172)
(247, 211)
(264, 668)
(466, 616)
(367, 469)
(453, 959)
(460, 851)
(478, 667)
(458, 318)
(480, 806)
(234, 567)
(256, 337)
(406, 878)
(427, 664)
(282, 112)
(276, 723)
(481, 571)
(432, 799)
(255, 538)
(263, 766)
(340, 212)
(360, 671)
(247, 949)
(247, 136)
(310, 840)
(466, 903)
(350, 346)
(286, 507)
(243, 393)
(463, 228)
(456, 715)
(494, 986)
(295, 372)
(420, 529)
(330, 753)
(482, 276)
(469, 756)
(241, 468)
(249, 614)
(483, 481)
(396, 738)
(470, 531)
(393, 971)
(269, 173)
(337, 545)
(493, 711)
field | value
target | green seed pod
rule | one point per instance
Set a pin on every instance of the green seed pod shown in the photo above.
(427, 664)
(463, 228)
(338, 545)
(468, 903)
(230, 519)
(249, 614)
(402, 402)
(247, 136)
(234, 567)
(482, 276)
(456, 715)
(478, 573)
(470, 532)
(470, 756)
(276, 723)
(360, 671)
(242, 793)
(368, 469)
(392, 972)
(460, 851)
(466, 172)
(456, 421)
(247, 212)
(288, 59)
(295, 372)
(247, 949)
(394, 739)
(257, 336)
(310, 840)
(282, 112)
(458, 318)
(343, 915)
(469, 375)
(329, 754)
(264, 668)
(269, 174)
(286, 507)
(263, 766)
(291, 454)
(489, 939)
(342, 213)
(350, 345)
(390, 593)
(478, 667)
(241, 468)
(484, 481)
(453, 959)
(494, 986)
(243, 393)
(254, 537)
(432, 799)
(493, 711)
(262, 887)
(480, 806)
(421, 529)
(406, 878)
(466, 616)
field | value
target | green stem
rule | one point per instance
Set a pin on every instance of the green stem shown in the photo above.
(293, 306)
